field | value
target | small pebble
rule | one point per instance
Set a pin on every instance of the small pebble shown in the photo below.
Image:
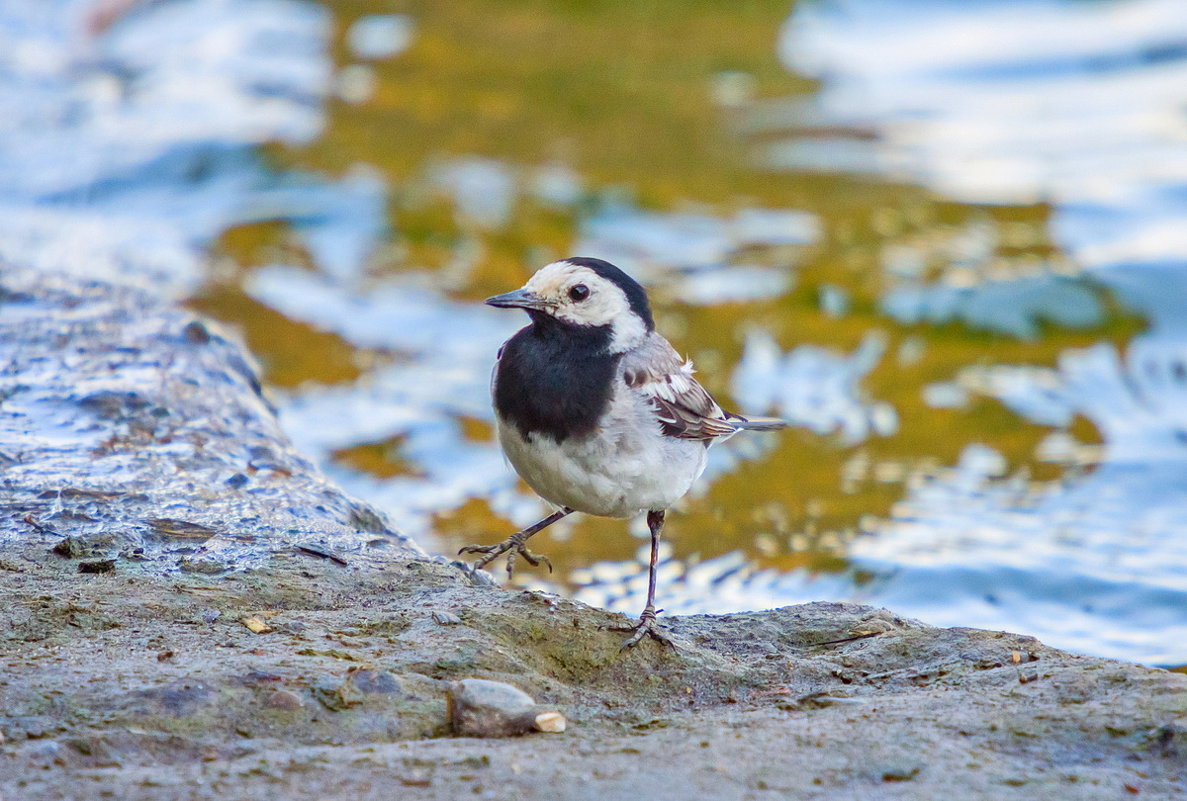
(255, 625)
(484, 708)
(283, 699)
(208, 567)
(71, 548)
(97, 566)
(446, 618)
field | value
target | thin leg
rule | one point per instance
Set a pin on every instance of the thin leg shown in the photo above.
(515, 544)
(647, 626)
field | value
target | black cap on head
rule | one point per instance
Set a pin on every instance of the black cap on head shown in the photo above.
(635, 295)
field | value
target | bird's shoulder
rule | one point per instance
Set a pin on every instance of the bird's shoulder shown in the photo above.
(683, 407)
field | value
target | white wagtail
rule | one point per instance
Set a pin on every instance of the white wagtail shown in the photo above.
(596, 411)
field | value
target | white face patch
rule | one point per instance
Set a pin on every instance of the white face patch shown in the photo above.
(604, 303)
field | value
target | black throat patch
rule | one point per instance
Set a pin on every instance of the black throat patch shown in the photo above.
(555, 378)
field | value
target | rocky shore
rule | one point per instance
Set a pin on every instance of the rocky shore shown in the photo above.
(188, 609)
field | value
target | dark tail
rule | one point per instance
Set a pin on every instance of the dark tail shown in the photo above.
(757, 423)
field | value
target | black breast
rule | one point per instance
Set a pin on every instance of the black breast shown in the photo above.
(555, 379)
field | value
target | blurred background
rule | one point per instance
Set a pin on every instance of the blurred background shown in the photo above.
(947, 240)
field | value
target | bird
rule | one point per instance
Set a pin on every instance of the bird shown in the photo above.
(597, 412)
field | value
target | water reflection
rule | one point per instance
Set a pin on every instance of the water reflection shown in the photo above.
(130, 142)
(1016, 102)
(815, 387)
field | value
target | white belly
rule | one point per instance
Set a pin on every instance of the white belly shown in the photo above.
(624, 469)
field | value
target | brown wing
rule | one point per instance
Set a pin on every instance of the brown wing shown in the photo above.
(683, 407)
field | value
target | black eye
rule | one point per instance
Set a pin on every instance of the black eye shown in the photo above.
(579, 292)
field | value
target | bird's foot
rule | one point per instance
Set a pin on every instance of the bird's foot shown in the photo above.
(646, 627)
(512, 546)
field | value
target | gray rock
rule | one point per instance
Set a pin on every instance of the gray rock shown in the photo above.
(484, 708)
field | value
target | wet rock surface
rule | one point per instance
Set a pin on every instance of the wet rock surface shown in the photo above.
(133, 431)
(123, 435)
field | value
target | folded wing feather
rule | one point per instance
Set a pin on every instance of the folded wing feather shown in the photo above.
(683, 407)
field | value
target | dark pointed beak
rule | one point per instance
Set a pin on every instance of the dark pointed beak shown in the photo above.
(518, 299)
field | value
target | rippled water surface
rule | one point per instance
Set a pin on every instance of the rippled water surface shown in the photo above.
(944, 240)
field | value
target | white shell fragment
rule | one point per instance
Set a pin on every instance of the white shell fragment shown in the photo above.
(484, 708)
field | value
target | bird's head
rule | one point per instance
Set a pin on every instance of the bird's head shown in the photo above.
(585, 293)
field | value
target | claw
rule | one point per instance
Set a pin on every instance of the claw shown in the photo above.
(536, 559)
(646, 627)
(515, 545)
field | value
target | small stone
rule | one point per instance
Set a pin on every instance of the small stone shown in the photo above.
(877, 623)
(373, 682)
(446, 618)
(95, 546)
(205, 567)
(337, 696)
(97, 566)
(71, 548)
(295, 627)
(256, 625)
(283, 699)
(484, 708)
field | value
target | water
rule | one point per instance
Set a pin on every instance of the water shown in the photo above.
(943, 240)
